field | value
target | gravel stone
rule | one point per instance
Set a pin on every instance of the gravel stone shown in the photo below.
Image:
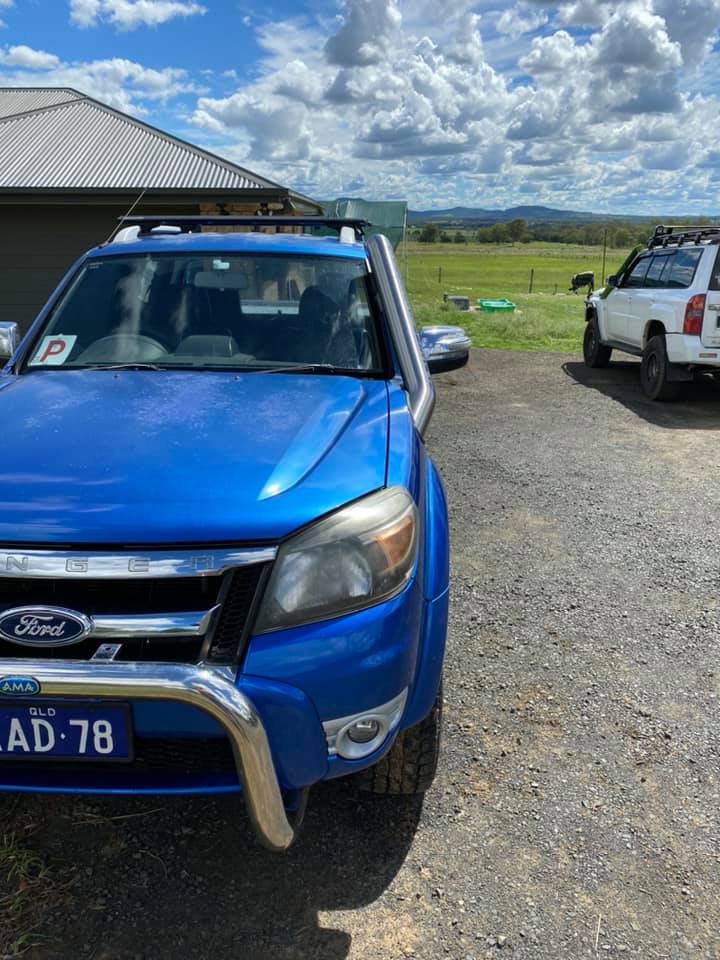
(579, 783)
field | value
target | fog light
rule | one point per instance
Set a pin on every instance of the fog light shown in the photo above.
(363, 731)
(361, 734)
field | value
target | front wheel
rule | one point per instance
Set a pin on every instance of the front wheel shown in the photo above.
(654, 370)
(595, 353)
(409, 766)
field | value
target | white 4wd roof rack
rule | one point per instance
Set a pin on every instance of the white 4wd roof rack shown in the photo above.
(665, 235)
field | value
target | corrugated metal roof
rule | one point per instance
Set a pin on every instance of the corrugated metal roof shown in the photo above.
(21, 99)
(60, 139)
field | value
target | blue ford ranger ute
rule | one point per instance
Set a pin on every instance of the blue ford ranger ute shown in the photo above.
(223, 546)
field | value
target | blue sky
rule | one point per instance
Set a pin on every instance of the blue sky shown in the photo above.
(581, 104)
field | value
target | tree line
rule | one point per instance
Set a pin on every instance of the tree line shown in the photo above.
(616, 233)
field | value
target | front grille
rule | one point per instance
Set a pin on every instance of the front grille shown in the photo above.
(234, 592)
(158, 650)
(185, 756)
(92, 597)
(178, 758)
(236, 608)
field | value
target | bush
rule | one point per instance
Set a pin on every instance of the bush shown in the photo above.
(428, 234)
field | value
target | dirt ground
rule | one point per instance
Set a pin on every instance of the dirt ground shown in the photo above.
(576, 809)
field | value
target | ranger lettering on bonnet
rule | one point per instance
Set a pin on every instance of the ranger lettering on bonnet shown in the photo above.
(44, 563)
(237, 545)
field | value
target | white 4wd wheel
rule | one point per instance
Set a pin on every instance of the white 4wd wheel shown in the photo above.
(654, 372)
(595, 353)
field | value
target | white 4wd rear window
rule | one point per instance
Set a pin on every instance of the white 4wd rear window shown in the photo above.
(682, 268)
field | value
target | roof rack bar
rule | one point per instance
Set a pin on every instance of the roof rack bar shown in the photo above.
(679, 234)
(193, 223)
(664, 230)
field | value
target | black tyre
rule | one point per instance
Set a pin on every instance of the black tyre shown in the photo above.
(654, 372)
(409, 766)
(596, 354)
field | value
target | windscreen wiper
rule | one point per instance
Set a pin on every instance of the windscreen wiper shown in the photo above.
(300, 368)
(130, 365)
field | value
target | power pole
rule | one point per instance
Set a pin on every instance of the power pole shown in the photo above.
(602, 276)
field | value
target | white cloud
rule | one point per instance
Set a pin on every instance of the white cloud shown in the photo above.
(536, 99)
(586, 13)
(5, 5)
(674, 156)
(629, 67)
(556, 54)
(518, 20)
(121, 83)
(85, 12)
(465, 45)
(348, 97)
(22, 56)
(692, 23)
(635, 38)
(367, 33)
(129, 14)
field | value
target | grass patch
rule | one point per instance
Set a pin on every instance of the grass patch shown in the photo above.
(549, 319)
(24, 884)
(540, 322)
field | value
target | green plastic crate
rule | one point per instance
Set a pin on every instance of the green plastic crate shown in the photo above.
(496, 306)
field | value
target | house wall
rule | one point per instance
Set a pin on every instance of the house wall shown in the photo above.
(39, 242)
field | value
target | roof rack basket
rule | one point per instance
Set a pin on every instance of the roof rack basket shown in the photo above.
(675, 234)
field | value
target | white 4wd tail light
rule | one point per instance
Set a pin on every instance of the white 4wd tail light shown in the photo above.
(694, 313)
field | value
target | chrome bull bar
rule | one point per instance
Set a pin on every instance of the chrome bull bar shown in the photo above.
(210, 689)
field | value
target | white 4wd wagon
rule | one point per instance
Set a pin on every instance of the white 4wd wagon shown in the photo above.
(664, 306)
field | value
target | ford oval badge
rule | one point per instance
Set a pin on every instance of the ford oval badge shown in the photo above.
(19, 686)
(44, 626)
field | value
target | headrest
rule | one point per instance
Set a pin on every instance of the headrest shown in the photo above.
(207, 345)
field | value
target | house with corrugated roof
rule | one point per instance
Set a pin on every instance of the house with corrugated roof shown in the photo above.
(71, 165)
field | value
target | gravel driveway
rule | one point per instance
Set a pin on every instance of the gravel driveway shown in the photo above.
(576, 809)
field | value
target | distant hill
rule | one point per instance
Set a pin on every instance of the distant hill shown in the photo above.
(531, 213)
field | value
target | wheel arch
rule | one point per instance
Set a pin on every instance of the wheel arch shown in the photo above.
(595, 312)
(653, 328)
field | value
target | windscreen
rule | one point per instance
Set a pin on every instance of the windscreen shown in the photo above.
(216, 310)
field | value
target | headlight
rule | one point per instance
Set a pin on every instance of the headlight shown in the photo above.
(353, 559)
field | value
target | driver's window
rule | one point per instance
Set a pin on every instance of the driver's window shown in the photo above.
(636, 277)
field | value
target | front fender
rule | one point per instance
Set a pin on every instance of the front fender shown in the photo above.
(437, 534)
(431, 652)
(595, 310)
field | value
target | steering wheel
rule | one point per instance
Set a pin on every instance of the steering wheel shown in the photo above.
(123, 348)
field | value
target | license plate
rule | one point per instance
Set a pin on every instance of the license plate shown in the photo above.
(65, 731)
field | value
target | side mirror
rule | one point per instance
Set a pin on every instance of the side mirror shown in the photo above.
(612, 281)
(445, 348)
(9, 340)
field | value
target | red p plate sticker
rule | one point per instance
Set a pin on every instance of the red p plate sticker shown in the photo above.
(54, 351)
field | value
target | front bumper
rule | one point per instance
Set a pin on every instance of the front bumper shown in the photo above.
(273, 720)
(211, 690)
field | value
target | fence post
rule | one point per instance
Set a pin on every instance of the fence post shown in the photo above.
(439, 274)
(532, 274)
